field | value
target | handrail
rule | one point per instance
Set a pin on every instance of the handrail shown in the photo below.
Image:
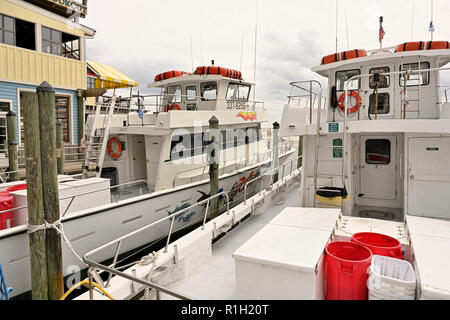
(92, 264)
(264, 175)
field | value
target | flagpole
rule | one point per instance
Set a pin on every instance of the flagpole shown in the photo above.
(432, 26)
(380, 38)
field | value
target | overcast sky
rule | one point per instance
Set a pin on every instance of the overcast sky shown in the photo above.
(144, 37)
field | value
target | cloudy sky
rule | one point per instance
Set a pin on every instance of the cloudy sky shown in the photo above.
(144, 37)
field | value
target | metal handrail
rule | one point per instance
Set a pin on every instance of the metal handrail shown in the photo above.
(92, 264)
(264, 175)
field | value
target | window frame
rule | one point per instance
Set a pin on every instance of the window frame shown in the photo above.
(174, 95)
(428, 73)
(3, 30)
(202, 90)
(238, 88)
(377, 163)
(347, 70)
(388, 77)
(388, 103)
(188, 98)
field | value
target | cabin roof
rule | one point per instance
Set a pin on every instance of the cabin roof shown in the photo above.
(193, 78)
(443, 57)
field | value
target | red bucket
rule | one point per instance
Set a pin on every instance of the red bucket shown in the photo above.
(346, 271)
(6, 203)
(379, 244)
(17, 188)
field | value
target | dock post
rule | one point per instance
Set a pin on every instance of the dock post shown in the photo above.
(214, 166)
(80, 114)
(300, 152)
(38, 257)
(275, 150)
(59, 147)
(50, 192)
(13, 157)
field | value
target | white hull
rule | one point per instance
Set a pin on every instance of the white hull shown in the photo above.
(87, 230)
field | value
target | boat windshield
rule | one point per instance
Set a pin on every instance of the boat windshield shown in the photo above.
(238, 91)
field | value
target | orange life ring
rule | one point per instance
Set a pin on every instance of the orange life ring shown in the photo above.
(354, 108)
(111, 152)
(171, 107)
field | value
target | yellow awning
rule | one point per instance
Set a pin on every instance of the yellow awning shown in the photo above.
(110, 78)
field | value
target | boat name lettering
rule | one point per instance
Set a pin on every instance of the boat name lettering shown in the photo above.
(236, 105)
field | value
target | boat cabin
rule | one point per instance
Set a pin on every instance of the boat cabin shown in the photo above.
(389, 156)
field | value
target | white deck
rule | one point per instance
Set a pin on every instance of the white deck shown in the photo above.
(215, 280)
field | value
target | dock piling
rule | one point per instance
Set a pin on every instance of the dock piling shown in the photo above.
(59, 147)
(275, 149)
(214, 166)
(38, 257)
(50, 192)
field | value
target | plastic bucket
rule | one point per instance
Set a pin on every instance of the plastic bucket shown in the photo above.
(6, 203)
(17, 188)
(346, 271)
(379, 244)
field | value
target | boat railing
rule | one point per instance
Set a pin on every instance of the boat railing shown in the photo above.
(120, 187)
(112, 270)
(269, 173)
(157, 102)
(445, 94)
(307, 97)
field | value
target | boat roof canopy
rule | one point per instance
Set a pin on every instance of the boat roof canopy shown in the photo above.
(193, 78)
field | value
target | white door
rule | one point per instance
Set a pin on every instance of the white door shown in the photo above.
(378, 168)
(429, 177)
(386, 94)
(138, 158)
(153, 148)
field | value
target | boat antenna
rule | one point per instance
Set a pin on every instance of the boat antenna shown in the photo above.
(346, 27)
(412, 19)
(242, 49)
(192, 57)
(337, 14)
(254, 64)
(431, 28)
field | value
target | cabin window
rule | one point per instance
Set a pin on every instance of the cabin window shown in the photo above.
(415, 79)
(238, 92)
(191, 93)
(384, 80)
(208, 91)
(60, 43)
(174, 94)
(343, 76)
(378, 151)
(383, 103)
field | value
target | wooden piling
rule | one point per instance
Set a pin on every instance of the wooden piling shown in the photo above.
(214, 166)
(47, 124)
(38, 257)
(13, 157)
(80, 114)
(275, 150)
(59, 147)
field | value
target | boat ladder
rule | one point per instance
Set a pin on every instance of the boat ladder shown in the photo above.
(97, 140)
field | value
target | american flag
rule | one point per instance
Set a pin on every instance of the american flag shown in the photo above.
(382, 33)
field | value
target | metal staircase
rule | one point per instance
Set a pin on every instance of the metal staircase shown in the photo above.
(98, 137)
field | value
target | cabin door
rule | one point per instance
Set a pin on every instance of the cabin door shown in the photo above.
(378, 168)
(429, 177)
(138, 159)
(386, 93)
(154, 144)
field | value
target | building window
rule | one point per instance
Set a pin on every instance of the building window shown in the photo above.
(90, 82)
(5, 107)
(208, 91)
(378, 151)
(343, 76)
(7, 30)
(384, 80)
(383, 103)
(418, 78)
(60, 43)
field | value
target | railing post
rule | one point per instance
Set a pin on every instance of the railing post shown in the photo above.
(13, 157)
(275, 152)
(214, 165)
(169, 235)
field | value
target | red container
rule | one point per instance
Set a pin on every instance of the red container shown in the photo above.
(6, 203)
(17, 188)
(346, 271)
(379, 244)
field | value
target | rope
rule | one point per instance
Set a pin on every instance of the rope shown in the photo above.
(146, 260)
(57, 225)
(83, 283)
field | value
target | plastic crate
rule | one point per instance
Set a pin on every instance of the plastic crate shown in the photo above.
(391, 278)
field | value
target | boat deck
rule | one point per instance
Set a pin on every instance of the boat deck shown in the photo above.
(220, 268)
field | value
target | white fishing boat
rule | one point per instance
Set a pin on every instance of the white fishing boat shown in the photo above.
(376, 158)
(150, 163)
